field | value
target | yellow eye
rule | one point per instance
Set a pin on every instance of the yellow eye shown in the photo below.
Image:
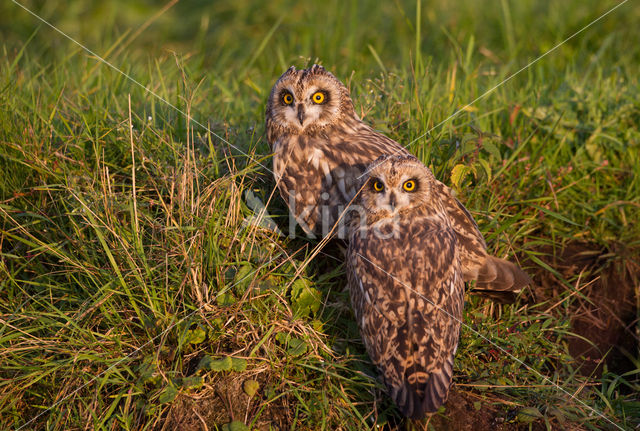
(378, 186)
(318, 97)
(287, 99)
(409, 186)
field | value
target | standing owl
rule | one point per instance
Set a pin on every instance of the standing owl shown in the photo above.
(320, 150)
(406, 283)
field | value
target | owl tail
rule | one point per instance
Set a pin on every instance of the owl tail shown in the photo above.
(500, 280)
(416, 397)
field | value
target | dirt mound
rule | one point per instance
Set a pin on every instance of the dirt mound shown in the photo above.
(462, 415)
(603, 301)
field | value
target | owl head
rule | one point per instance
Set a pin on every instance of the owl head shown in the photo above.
(306, 102)
(396, 186)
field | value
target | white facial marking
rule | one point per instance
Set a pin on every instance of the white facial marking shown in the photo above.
(291, 116)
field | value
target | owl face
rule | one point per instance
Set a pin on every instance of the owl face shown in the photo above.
(306, 101)
(397, 185)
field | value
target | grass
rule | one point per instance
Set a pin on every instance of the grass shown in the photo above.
(135, 295)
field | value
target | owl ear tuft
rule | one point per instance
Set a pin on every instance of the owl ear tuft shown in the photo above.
(289, 71)
(316, 68)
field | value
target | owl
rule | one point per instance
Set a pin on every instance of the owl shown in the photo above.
(406, 283)
(320, 151)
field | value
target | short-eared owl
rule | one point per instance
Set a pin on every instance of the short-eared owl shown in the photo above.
(406, 283)
(321, 148)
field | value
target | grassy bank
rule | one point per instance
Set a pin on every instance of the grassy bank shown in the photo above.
(136, 292)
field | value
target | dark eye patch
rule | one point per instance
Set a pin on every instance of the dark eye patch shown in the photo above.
(325, 95)
(377, 185)
(410, 185)
(286, 98)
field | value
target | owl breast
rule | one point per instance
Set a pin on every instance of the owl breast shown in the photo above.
(316, 181)
(408, 304)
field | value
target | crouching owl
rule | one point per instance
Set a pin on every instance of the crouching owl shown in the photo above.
(406, 282)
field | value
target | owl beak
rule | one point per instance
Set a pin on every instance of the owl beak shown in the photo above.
(392, 200)
(301, 114)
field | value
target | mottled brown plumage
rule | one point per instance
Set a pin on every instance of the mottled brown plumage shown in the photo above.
(321, 151)
(406, 285)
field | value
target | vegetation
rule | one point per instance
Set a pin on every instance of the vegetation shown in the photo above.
(138, 291)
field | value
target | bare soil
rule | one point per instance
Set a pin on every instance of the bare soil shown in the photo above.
(603, 307)
(226, 401)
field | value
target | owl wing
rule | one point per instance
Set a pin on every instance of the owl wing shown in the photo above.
(408, 303)
(495, 278)
(470, 240)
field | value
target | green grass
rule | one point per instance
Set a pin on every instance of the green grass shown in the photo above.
(128, 272)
